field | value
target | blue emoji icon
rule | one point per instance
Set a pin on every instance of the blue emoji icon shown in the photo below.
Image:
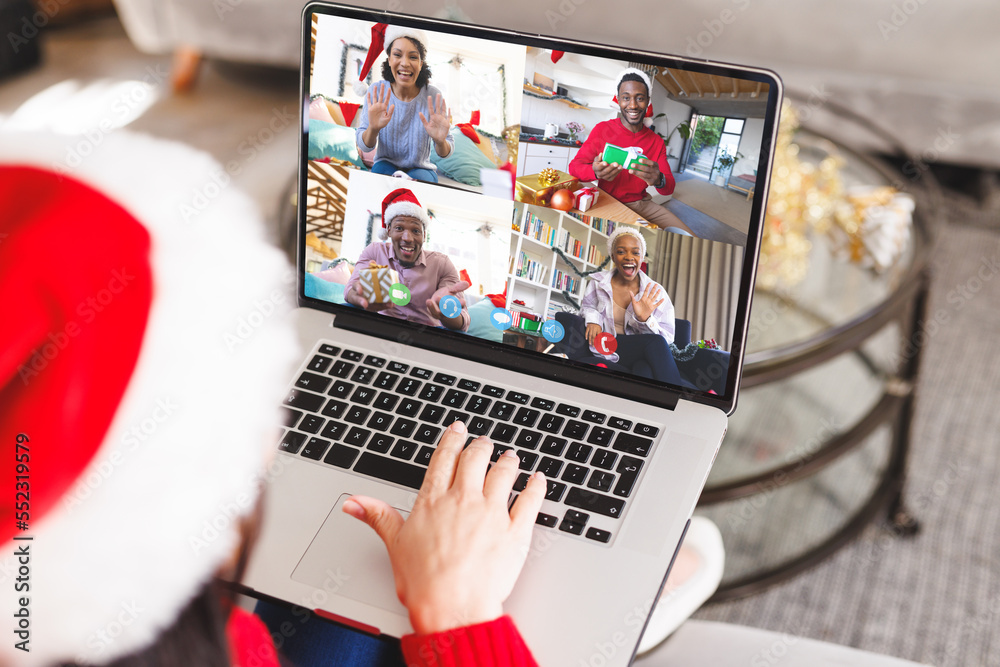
(500, 318)
(552, 331)
(450, 306)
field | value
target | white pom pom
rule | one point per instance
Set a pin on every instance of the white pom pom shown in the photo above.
(360, 88)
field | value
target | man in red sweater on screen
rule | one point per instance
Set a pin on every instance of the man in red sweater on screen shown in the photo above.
(625, 131)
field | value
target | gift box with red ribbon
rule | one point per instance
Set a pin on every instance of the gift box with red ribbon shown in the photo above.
(584, 198)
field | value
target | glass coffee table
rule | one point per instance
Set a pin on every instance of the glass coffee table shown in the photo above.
(817, 448)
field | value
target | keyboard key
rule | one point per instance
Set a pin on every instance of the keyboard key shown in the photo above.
(427, 434)
(380, 443)
(600, 436)
(341, 456)
(594, 502)
(550, 467)
(479, 405)
(632, 444)
(409, 407)
(390, 470)
(319, 363)
(403, 428)
(397, 367)
(468, 385)
(334, 430)
(502, 411)
(421, 373)
(599, 535)
(495, 392)
(409, 387)
(312, 424)
(498, 451)
(575, 474)
(594, 417)
(517, 397)
(503, 432)
(543, 404)
(551, 423)
(341, 369)
(601, 481)
(315, 448)
(575, 430)
(449, 380)
(526, 417)
(579, 452)
(522, 481)
(454, 416)
(352, 355)
(554, 490)
(290, 417)
(646, 430)
(553, 445)
(291, 442)
(546, 520)
(303, 400)
(454, 399)
(404, 449)
(480, 425)
(604, 458)
(424, 455)
(377, 362)
(574, 522)
(431, 392)
(386, 401)
(357, 436)
(363, 374)
(380, 421)
(432, 413)
(334, 409)
(620, 424)
(357, 414)
(527, 459)
(341, 389)
(385, 380)
(628, 472)
(528, 439)
(329, 350)
(568, 410)
(364, 395)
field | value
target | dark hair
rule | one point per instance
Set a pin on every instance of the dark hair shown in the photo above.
(425, 72)
(631, 76)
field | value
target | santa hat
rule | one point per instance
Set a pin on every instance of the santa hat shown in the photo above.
(647, 120)
(383, 35)
(143, 370)
(622, 230)
(401, 202)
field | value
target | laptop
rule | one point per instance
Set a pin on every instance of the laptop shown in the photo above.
(626, 445)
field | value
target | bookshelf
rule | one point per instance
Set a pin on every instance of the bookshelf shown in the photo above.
(537, 275)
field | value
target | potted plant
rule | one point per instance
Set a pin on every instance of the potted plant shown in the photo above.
(574, 128)
(725, 163)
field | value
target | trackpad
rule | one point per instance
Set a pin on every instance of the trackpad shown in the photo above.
(347, 558)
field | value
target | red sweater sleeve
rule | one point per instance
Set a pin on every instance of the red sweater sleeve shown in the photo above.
(493, 644)
(661, 162)
(582, 164)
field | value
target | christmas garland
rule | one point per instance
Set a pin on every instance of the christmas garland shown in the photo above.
(584, 274)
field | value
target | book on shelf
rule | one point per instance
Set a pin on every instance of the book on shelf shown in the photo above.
(603, 225)
(529, 268)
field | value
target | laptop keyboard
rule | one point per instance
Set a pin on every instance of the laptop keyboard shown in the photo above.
(383, 419)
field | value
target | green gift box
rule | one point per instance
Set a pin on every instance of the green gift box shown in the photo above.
(622, 156)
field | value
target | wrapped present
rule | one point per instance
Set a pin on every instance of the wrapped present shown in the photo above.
(618, 155)
(584, 198)
(537, 190)
(376, 283)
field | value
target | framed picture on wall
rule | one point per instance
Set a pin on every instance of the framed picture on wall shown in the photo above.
(353, 56)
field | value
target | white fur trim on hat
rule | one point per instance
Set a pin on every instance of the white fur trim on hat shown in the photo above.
(633, 70)
(403, 208)
(394, 32)
(156, 512)
(626, 229)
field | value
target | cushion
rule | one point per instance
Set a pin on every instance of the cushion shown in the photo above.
(317, 288)
(464, 161)
(479, 321)
(329, 140)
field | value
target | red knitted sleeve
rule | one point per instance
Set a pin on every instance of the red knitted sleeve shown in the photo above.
(493, 644)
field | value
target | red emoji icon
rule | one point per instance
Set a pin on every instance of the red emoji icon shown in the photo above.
(605, 343)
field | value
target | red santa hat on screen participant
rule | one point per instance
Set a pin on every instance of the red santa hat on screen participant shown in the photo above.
(142, 369)
(399, 202)
(648, 118)
(383, 35)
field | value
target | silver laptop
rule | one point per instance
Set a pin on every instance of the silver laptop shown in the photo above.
(627, 438)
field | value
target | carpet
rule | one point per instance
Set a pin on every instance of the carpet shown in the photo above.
(728, 207)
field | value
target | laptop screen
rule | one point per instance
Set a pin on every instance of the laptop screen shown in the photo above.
(573, 204)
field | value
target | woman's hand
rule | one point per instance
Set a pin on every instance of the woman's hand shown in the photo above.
(457, 556)
(437, 124)
(605, 171)
(379, 109)
(645, 305)
(592, 330)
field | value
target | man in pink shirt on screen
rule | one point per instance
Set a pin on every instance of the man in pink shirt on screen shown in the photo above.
(429, 275)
